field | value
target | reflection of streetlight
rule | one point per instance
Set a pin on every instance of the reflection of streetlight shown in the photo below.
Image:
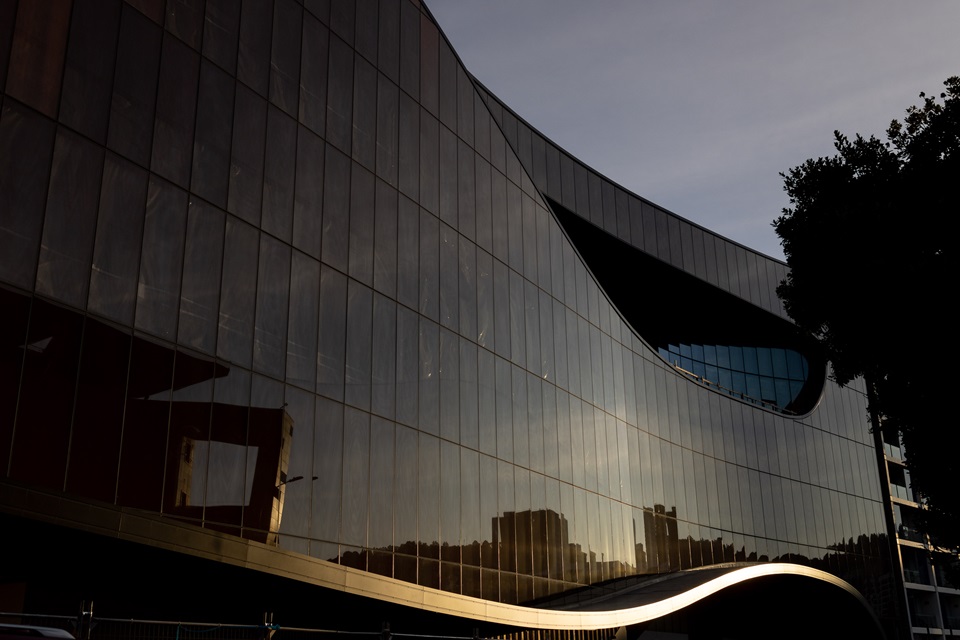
(293, 479)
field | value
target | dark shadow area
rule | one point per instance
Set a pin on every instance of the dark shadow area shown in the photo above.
(50, 570)
(667, 306)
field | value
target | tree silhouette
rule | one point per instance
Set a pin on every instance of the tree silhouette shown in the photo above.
(870, 238)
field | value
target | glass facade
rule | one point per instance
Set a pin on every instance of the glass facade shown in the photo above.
(283, 271)
(772, 377)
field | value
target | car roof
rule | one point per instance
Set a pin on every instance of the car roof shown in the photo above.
(27, 631)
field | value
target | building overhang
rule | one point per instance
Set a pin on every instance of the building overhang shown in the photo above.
(624, 603)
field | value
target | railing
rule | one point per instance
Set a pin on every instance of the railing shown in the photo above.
(766, 404)
(951, 622)
(924, 620)
(87, 627)
(915, 576)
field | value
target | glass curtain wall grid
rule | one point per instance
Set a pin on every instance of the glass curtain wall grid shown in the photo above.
(283, 271)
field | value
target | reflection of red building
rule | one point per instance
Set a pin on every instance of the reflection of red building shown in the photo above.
(203, 461)
(239, 477)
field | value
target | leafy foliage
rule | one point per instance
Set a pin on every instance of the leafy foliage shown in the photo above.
(870, 238)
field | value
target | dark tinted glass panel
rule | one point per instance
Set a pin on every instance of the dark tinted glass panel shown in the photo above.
(429, 496)
(467, 198)
(135, 87)
(469, 411)
(327, 467)
(302, 327)
(356, 469)
(668, 242)
(449, 371)
(37, 53)
(448, 301)
(211, 146)
(385, 240)
(332, 333)
(340, 95)
(88, 72)
(41, 434)
(408, 259)
(686, 248)
(429, 159)
(429, 383)
(26, 147)
(468, 288)
(200, 295)
(429, 65)
(429, 266)
(407, 366)
(279, 173)
(246, 164)
(176, 101)
(142, 456)
(13, 328)
(553, 173)
(336, 209)
(313, 74)
(98, 415)
(361, 248)
(358, 356)
(343, 19)
(238, 293)
(116, 253)
(388, 98)
(409, 147)
(388, 58)
(384, 347)
(447, 172)
(366, 34)
(185, 20)
(273, 287)
(381, 484)
(365, 113)
(8, 18)
(285, 56)
(70, 223)
(308, 197)
(253, 66)
(410, 49)
(447, 80)
(450, 502)
(221, 31)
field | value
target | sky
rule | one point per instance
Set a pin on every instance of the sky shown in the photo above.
(699, 105)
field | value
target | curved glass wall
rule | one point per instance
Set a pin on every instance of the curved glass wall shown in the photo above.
(286, 278)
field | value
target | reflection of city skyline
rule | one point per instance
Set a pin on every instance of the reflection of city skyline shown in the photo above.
(513, 544)
(196, 420)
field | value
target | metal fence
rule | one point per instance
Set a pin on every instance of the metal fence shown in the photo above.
(85, 626)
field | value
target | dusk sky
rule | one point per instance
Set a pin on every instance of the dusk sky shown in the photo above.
(699, 105)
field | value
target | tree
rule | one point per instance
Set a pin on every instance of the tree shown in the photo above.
(870, 239)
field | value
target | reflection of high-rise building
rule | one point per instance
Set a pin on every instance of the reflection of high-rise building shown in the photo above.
(291, 302)
(663, 547)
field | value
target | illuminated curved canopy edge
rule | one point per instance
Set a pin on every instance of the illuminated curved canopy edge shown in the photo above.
(162, 532)
(516, 615)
